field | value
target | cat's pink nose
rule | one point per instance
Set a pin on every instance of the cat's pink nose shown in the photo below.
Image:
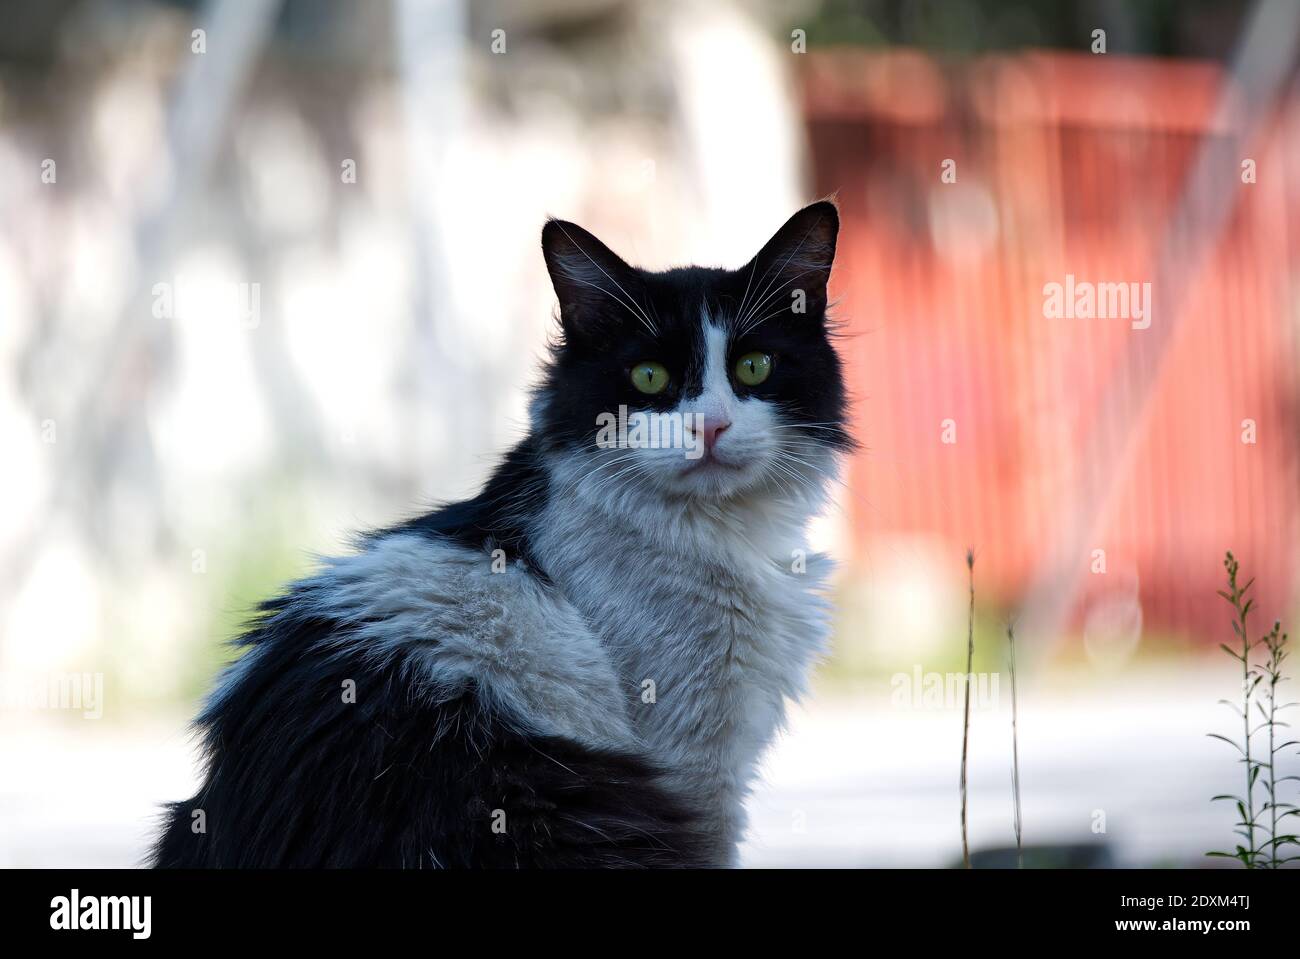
(711, 429)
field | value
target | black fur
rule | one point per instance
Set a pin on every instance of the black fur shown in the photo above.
(497, 518)
(298, 778)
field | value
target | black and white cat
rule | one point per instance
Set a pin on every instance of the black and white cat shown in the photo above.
(582, 665)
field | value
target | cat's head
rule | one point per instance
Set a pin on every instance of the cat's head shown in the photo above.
(696, 382)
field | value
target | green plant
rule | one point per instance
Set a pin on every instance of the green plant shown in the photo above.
(1265, 853)
(1015, 752)
(965, 730)
(1275, 643)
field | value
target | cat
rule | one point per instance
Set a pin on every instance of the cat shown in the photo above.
(582, 665)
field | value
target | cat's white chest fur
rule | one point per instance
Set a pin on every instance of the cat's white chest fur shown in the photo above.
(712, 618)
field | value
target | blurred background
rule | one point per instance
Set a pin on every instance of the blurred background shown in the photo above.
(270, 273)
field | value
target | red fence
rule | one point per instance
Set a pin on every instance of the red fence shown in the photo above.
(1064, 165)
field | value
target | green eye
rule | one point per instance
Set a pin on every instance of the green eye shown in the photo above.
(650, 377)
(754, 368)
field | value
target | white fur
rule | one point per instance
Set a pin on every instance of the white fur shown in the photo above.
(742, 454)
(690, 583)
(702, 600)
(455, 620)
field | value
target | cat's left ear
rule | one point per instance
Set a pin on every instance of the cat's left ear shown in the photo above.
(793, 268)
(597, 290)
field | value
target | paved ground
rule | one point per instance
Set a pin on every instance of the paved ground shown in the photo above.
(853, 783)
(879, 787)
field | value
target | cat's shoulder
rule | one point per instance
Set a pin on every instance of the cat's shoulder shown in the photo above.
(453, 618)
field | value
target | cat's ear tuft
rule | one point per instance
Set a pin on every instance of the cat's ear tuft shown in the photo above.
(795, 264)
(593, 284)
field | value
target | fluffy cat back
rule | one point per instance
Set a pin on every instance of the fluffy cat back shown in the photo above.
(407, 706)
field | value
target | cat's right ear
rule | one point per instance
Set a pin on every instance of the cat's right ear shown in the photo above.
(797, 259)
(596, 289)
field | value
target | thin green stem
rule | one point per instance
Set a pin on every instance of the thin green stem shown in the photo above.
(1236, 595)
(1015, 750)
(1245, 709)
(1275, 641)
(965, 732)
